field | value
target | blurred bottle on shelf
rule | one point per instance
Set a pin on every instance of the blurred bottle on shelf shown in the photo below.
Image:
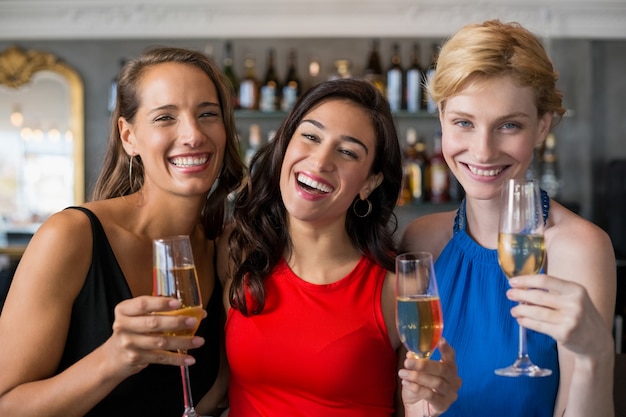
(373, 69)
(408, 155)
(113, 88)
(229, 72)
(342, 70)
(395, 81)
(438, 173)
(249, 86)
(431, 106)
(550, 180)
(269, 93)
(254, 142)
(419, 171)
(292, 87)
(414, 83)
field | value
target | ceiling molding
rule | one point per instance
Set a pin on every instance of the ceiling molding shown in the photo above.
(179, 19)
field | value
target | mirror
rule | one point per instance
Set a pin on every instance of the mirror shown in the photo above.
(41, 139)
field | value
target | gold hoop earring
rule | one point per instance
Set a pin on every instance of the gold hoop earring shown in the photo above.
(356, 211)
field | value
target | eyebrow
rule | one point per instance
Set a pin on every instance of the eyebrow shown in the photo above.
(202, 105)
(506, 116)
(346, 138)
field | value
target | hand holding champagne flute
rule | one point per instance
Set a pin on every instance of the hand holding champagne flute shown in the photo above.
(418, 309)
(521, 251)
(175, 276)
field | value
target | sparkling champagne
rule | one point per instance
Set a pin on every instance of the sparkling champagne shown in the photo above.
(520, 254)
(420, 323)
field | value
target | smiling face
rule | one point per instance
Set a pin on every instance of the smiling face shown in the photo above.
(178, 130)
(489, 132)
(328, 161)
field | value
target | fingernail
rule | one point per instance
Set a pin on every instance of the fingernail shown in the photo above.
(189, 360)
(174, 303)
(403, 373)
(514, 281)
(197, 341)
(191, 322)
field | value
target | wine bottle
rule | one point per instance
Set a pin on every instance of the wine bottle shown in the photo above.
(292, 87)
(113, 88)
(342, 70)
(248, 88)
(549, 168)
(431, 106)
(395, 81)
(415, 83)
(439, 174)
(254, 142)
(408, 154)
(419, 172)
(269, 89)
(373, 69)
(229, 72)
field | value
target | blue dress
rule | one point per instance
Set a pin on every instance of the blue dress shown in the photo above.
(479, 325)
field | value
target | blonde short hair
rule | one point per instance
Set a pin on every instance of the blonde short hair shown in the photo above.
(479, 52)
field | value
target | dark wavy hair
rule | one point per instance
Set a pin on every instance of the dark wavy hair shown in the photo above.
(260, 236)
(114, 180)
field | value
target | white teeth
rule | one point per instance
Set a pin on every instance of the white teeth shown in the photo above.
(189, 161)
(314, 184)
(484, 172)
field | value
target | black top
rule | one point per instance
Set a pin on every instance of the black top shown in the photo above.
(157, 389)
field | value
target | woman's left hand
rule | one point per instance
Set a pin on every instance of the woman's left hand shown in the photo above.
(430, 387)
(561, 309)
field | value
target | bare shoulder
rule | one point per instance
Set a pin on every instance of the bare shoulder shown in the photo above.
(569, 233)
(428, 233)
(53, 268)
(579, 251)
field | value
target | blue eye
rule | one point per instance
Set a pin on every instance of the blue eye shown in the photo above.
(510, 125)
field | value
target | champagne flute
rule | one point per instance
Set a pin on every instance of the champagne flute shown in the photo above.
(521, 251)
(418, 310)
(175, 276)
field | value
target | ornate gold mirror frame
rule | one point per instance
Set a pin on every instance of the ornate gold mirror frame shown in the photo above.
(17, 70)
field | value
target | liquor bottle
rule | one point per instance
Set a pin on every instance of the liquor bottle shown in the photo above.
(269, 89)
(415, 83)
(408, 154)
(293, 86)
(419, 173)
(342, 67)
(248, 88)
(254, 142)
(439, 174)
(113, 89)
(229, 72)
(431, 106)
(373, 69)
(395, 81)
(549, 168)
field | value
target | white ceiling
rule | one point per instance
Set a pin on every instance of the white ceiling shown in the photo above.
(107, 19)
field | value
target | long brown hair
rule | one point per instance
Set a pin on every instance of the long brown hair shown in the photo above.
(114, 180)
(260, 236)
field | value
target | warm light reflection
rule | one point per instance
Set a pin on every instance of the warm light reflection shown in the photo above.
(17, 118)
(54, 135)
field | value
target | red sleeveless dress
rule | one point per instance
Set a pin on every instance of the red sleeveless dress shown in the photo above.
(315, 350)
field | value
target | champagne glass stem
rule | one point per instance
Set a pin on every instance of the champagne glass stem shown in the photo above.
(522, 353)
(189, 410)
